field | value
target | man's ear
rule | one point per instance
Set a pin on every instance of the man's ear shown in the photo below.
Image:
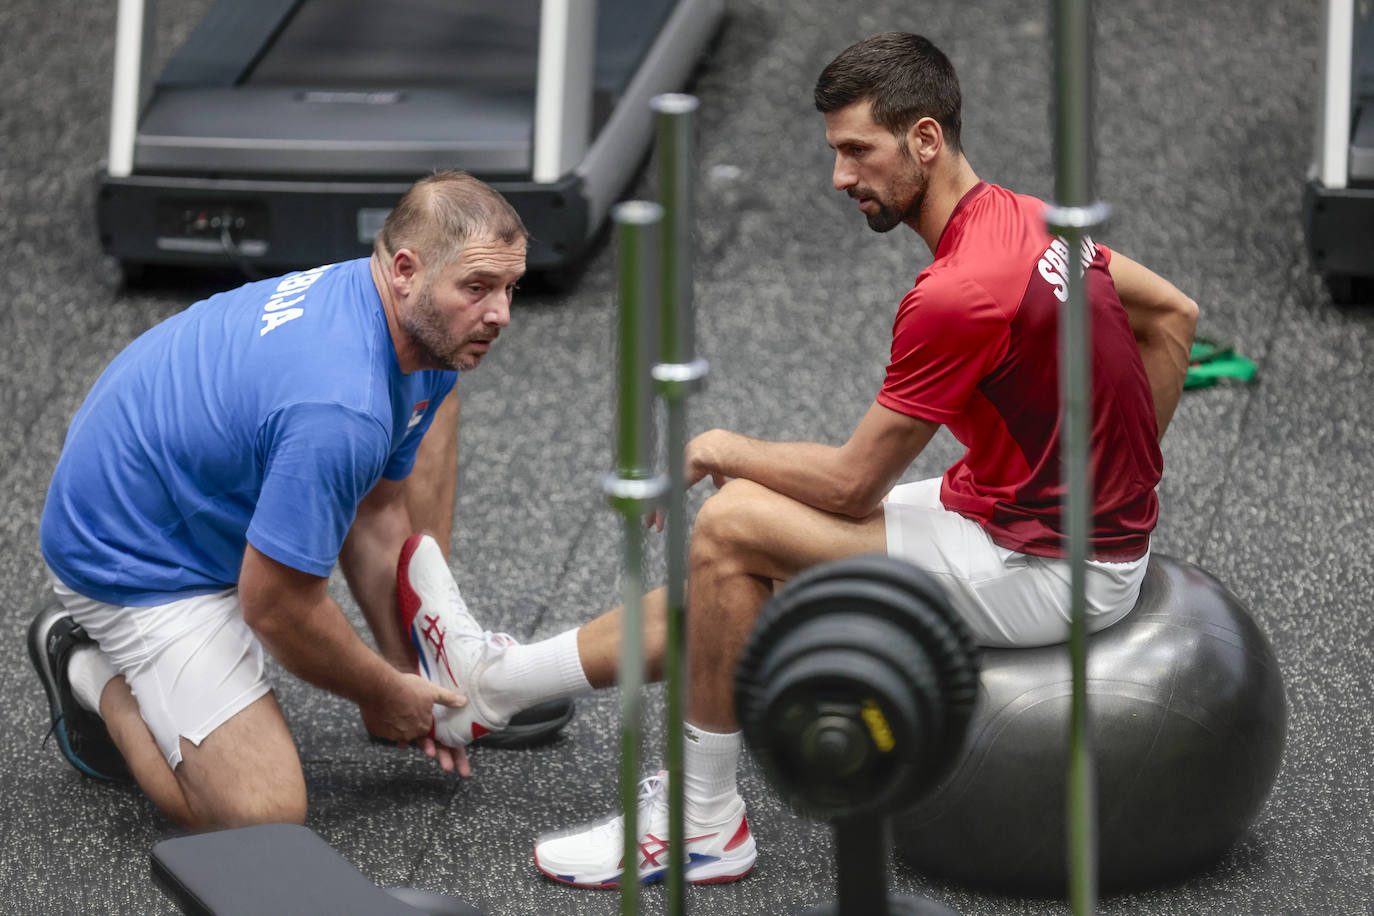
(925, 139)
(405, 270)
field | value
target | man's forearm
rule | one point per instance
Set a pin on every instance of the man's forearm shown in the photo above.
(849, 480)
(315, 642)
(1163, 320)
(805, 471)
(1165, 356)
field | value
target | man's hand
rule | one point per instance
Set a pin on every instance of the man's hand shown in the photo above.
(697, 462)
(701, 458)
(448, 758)
(404, 712)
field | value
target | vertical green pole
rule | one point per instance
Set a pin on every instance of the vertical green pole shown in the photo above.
(676, 372)
(1072, 216)
(630, 489)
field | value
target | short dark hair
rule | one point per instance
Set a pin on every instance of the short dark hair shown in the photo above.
(441, 212)
(905, 78)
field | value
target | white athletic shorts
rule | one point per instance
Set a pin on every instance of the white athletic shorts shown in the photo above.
(1007, 598)
(191, 664)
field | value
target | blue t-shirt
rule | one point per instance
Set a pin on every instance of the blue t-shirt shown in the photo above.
(264, 414)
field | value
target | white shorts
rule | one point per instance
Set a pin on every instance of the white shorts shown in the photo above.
(1007, 598)
(191, 664)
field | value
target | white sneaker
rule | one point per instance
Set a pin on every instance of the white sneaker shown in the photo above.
(594, 856)
(454, 649)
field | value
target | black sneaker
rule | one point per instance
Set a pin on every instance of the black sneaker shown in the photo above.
(81, 736)
(531, 727)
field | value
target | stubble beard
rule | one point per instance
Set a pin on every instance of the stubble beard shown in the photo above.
(437, 349)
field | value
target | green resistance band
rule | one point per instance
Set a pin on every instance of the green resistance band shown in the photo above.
(1210, 362)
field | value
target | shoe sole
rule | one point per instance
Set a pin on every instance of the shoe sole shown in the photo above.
(538, 725)
(405, 593)
(653, 877)
(38, 654)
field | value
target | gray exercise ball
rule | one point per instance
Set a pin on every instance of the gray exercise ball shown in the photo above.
(1187, 717)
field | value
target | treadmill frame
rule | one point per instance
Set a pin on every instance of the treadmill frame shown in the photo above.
(302, 222)
(1338, 216)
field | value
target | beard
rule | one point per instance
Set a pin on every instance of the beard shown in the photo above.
(438, 348)
(901, 204)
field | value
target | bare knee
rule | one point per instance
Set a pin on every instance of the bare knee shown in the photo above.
(731, 521)
(245, 772)
(245, 810)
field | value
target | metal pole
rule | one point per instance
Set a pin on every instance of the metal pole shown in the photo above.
(677, 373)
(630, 489)
(1071, 217)
(563, 87)
(134, 30)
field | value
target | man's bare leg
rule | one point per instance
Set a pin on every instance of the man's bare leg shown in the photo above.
(746, 538)
(428, 493)
(245, 772)
(432, 485)
(598, 641)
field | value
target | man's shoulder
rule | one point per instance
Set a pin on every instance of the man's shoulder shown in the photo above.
(947, 285)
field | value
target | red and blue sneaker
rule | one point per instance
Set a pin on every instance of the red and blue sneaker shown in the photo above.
(454, 649)
(594, 856)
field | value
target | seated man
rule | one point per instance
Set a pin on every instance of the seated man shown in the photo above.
(974, 348)
(218, 469)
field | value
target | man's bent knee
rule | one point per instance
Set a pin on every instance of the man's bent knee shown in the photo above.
(734, 517)
(223, 813)
(244, 772)
(749, 528)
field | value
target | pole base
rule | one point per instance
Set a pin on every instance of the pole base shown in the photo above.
(897, 905)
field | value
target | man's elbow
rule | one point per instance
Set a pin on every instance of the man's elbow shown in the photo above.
(1186, 313)
(1172, 320)
(858, 499)
(259, 618)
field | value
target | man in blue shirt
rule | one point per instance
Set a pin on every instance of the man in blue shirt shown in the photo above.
(220, 467)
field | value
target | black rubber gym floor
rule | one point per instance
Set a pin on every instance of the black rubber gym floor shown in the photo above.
(1205, 119)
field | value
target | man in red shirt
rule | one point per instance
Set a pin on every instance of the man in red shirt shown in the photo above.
(974, 348)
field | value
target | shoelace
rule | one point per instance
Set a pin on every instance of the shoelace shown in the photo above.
(648, 791)
(52, 730)
(649, 785)
(488, 639)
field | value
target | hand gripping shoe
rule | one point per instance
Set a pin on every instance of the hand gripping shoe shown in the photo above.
(81, 735)
(594, 856)
(454, 650)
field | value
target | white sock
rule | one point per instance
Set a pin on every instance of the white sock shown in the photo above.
(88, 671)
(526, 675)
(709, 764)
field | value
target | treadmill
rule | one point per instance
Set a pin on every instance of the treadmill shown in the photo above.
(1338, 206)
(281, 132)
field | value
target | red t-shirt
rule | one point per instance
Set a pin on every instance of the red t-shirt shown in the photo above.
(975, 346)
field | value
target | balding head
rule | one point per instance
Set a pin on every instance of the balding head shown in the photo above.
(441, 213)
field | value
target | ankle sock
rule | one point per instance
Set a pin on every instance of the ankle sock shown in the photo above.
(526, 675)
(88, 671)
(709, 764)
